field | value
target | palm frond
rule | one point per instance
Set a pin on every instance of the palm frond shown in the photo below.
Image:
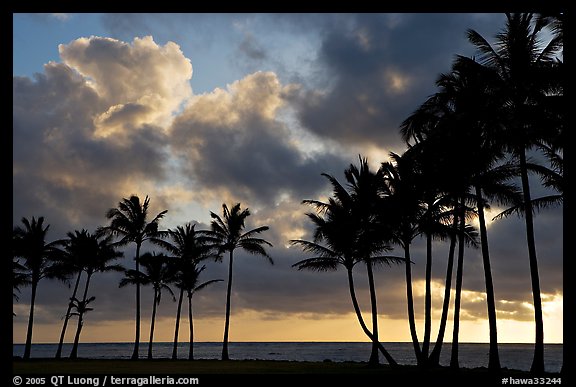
(205, 284)
(318, 264)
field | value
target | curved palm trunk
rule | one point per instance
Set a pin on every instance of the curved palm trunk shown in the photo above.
(177, 329)
(28, 346)
(136, 352)
(434, 359)
(427, 301)
(67, 317)
(410, 302)
(191, 346)
(538, 360)
(459, 270)
(374, 358)
(493, 359)
(152, 323)
(389, 358)
(227, 323)
(74, 353)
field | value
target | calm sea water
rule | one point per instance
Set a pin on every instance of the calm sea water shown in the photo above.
(513, 356)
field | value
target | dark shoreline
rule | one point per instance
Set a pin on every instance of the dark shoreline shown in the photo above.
(213, 366)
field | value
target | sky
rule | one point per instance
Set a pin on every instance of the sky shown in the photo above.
(196, 110)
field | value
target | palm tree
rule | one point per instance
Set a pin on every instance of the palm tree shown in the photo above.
(189, 247)
(129, 221)
(19, 277)
(76, 247)
(228, 234)
(187, 280)
(365, 200)
(29, 243)
(405, 210)
(523, 64)
(457, 115)
(97, 252)
(158, 272)
(342, 238)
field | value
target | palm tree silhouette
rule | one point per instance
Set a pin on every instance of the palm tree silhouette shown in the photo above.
(129, 221)
(352, 233)
(228, 234)
(187, 279)
(189, 246)
(405, 210)
(72, 258)
(97, 253)
(158, 272)
(19, 279)
(29, 243)
(460, 113)
(525, 67)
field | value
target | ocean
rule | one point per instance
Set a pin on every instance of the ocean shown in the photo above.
(472, 355)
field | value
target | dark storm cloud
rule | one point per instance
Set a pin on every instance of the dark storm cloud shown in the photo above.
(379, 68)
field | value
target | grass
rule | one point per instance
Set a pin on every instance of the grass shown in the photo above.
(255, 371)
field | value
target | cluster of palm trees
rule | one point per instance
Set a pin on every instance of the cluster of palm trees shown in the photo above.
(82, 254)
(468, 145)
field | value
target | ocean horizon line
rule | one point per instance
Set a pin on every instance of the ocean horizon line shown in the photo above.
(281, 341)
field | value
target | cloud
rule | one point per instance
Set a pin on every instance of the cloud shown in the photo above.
(119, 117)
(141, 83)
(88, 131)
(235, 142)
(377, 69)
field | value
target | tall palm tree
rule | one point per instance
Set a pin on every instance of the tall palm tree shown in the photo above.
(342, 238)
(98, 253)
(365, 195)
(187, 279)
(158, 272)
(523, 63)
(461, 112)
(29, 243)
(76, 247)
(228, 234)
(129, 222)
(189, 246)
(405, 210)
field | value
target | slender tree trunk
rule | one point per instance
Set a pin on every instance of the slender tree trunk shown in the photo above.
(136, 352)
(227, 323)
(410, 302)
(374, 358)
(493, 359)
(28, 346)
(177, 329)
(152, 322)
(538, 360)
(389, 358)
(74, 353)
(191, 322)
(67, 317)
(427, 301)
(459, 270)
(434, 359)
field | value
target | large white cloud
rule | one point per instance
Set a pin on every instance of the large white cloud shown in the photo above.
(67, 164)
(141, 83)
